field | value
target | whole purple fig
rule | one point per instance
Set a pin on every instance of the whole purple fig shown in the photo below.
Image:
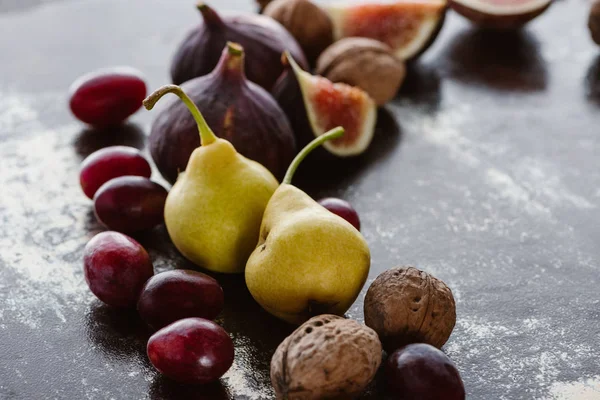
(263, 38)
(238, 110)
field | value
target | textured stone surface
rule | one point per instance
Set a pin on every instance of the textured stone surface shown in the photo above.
(484, 173)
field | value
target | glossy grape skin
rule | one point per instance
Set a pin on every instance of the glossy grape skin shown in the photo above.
(173, 295)
(108, 96)
(343, 209)
(115, 268)
(111, 162)
(191, 350)
(130, 204)
(422, 372)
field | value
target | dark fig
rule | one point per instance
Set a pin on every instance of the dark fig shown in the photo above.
(315, 105)
(263, 38)
(237, 110)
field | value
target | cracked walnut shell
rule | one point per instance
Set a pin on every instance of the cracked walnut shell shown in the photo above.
(405, 305)
(366, 63)
(328, 357)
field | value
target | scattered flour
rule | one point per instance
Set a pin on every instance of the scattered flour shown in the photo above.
(585, 389)
(533, 184)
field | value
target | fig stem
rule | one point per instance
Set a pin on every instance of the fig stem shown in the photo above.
(207, 136)
(287, 58)
(332, 134)
(233, 60)
(211, 18)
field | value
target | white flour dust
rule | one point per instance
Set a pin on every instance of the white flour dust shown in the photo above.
(36, 239)
(588, 389)
(511, 360)
(531, 183)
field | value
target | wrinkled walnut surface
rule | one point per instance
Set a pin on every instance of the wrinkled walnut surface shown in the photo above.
(328, 357)
(405, 305)
(306, 21)
(366, 63)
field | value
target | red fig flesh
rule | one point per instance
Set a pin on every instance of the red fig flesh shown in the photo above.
(238, 110)
(263, 39)
(407, 26)
(318, 105)
(500, 14)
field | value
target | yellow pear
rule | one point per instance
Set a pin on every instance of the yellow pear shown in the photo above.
(308, 261)
(214, 210)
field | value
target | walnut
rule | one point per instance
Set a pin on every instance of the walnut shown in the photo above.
(405, 305)
(366, 63)
(594, 21)
(328, 357)
(306, 21)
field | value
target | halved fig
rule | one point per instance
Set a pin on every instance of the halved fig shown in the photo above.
(500, 14)
(409, 27)
(328, 105)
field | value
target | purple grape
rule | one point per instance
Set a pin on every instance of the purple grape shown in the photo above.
(115, 268)
(108, 96)
(343, 209)
(111, 162)
(173, 295)
(130, 204)
(422, 372)
(191, 350)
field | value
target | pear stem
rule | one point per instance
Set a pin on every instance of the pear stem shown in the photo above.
(332, 134)
(207, 136)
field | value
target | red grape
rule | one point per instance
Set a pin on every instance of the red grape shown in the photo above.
(191, 350)
(111, 162)
(130, 204)
(422, 372)
(343, 209)
(115, 268)
(173, 295)
(108, 96)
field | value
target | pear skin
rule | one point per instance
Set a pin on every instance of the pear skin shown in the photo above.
(214, 210)
(308, 261)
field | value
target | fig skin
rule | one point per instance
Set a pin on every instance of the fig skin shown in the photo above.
(238, 110)
(263, 38)
(306, 21)
(491, 21)
(328, 357)
(594, 22)
(405, 305)
(366, 63)
(288, 95)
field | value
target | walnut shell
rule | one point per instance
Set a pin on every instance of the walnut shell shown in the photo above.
(328, 357)
(306, 21)
(405, 305)
(594, 21)
(366, 63)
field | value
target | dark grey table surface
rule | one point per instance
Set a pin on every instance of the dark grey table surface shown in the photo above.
(484, 172)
